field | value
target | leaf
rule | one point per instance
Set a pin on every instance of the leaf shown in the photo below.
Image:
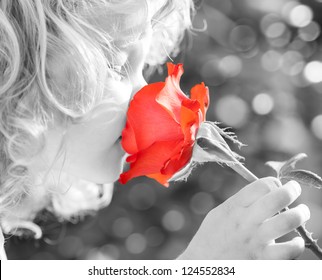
(285, 171)
(183, 173)
(210, 146)
(225, 133)
(282, 168)
(290, 164)
(212, 150)
(276, 165)
(304, 177)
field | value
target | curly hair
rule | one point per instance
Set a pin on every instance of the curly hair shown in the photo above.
(37, 37)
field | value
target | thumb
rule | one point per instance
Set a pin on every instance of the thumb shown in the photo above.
(3, 255)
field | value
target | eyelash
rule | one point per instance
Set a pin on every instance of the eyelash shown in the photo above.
(126, 44)
(121, 71)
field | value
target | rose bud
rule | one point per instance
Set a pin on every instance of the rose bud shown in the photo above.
(161, 127)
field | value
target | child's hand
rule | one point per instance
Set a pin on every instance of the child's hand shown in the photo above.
(3, 255)
(244, 226)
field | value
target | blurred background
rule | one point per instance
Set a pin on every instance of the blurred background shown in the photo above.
(262, 61)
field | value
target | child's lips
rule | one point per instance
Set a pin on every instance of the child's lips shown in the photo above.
(118, 143)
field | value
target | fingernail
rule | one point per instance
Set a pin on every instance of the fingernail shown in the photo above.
(306, 211)
(277, 182)
(296, 186)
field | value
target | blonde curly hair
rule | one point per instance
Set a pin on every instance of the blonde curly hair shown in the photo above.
(37, 37)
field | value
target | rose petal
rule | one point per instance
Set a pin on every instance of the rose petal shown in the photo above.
(129, 142)
(171, 96)
(175, 70)
(162, 124)
(176, 163)
(192, 105)
(161, 178)
(201, 93)
(189, 121)
(148, 122)
(152, 159)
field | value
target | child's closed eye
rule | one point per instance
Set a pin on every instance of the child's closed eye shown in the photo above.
(118, 69)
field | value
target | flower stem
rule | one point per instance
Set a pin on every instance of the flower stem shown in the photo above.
(244, 172)
(310, 243)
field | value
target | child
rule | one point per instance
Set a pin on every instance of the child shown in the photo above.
(68, 71)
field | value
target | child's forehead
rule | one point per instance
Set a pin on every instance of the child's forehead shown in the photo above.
(128, 20)
(117, 22)
(127, 26)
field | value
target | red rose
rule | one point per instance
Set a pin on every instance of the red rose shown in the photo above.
(161, 127)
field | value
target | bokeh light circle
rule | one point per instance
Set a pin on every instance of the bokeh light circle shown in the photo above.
(173, 220)
(297, 68)
(201, 203)
(271, 60)
(243, 38)
(310, 32)
(110, 251)
(122, 227)
(268, 20)
(275, 30)
(136, 243)
(289, 60)
(263, 104)
(232, 111)
(106, 252)
(300, 15)
(313, 71)
(316, 126)
(230, 66)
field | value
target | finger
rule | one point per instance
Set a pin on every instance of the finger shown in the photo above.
(283, 223)
(252, 192)
(289, 250)
(273, 202)
(3, 255)
(1, 237)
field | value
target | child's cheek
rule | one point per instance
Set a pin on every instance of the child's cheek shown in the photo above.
(138, 53)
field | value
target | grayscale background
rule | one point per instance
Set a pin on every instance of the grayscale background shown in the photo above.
(262, 60)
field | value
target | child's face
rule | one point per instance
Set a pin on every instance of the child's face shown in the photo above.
(91, 150)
